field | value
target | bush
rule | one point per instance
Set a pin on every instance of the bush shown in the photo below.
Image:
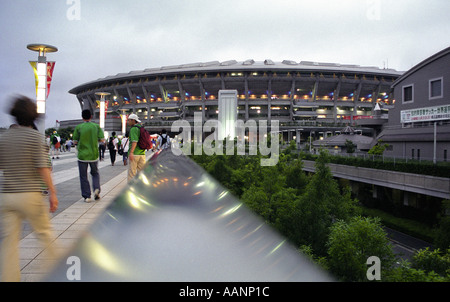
(435, 261)
(351, 244)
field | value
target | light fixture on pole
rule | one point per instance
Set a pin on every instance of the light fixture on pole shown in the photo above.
(124, 117)
(102, 108)
(42, 77)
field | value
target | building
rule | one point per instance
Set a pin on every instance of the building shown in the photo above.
(419, 123)
(306, 97)
(338, 143)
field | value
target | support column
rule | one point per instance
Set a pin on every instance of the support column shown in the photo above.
(202, 91)
(291, 101)
(246, 97)
(315, 89)
(269, 100)
(183, 99)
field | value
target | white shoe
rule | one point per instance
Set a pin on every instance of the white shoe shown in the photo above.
(88, 200)
(97, 194)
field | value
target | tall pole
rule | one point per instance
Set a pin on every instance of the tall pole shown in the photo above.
(41, 91)
(434, 143)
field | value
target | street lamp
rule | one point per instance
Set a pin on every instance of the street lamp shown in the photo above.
(42, 74)
(102, 108)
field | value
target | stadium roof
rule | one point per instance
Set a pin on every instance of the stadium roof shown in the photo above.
(250, 65)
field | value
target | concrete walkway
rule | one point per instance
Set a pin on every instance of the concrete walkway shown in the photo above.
(68, 226)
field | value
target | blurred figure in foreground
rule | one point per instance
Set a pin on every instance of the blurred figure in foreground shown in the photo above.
(25, 165)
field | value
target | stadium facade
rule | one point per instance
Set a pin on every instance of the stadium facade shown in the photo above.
(307, 98)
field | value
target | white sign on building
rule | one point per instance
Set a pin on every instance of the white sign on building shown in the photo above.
(427, 114)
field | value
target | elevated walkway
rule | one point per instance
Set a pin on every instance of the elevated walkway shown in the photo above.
(416, 183)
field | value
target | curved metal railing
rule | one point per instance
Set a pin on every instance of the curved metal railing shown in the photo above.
(174, 222)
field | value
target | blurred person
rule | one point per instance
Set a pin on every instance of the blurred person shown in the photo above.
(112, 147)
(86, 137)
(163, 140)
(55, 141)
(101, 150)
(21, 194)
(125, 145)
(136, 155)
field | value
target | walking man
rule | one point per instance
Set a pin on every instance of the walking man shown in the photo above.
(24, 161)
(86, 137)
(136, 155)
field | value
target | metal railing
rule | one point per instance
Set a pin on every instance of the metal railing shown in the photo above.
(174, 222)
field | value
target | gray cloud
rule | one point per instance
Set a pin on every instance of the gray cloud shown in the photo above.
(117, 36)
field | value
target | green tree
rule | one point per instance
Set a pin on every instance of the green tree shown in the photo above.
(349, 146)
(405, 273)
(432, 261)
(378, 149)
(317, 209)
(442, 235)
(351, 243)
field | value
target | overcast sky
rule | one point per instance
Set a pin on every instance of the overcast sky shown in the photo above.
(98, 38)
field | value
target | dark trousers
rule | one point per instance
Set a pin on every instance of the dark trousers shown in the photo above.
(84, 180)
(101, 150)
(112, 154)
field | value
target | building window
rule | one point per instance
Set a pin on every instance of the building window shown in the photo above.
(408, 94)
(445, 155)
(436, 88)
(412, 153)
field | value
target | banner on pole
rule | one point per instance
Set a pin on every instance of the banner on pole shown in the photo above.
(50, 68)
(36, 78)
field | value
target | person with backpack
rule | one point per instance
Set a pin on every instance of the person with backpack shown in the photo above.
(163, 140)
(139, 141)
(55, 141)
(112, 146)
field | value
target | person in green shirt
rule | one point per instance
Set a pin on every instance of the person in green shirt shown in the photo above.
(136, 155)
(86, 137)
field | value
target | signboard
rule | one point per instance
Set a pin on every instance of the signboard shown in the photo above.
(427, 114)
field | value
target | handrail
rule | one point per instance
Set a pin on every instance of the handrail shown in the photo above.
(174, 222)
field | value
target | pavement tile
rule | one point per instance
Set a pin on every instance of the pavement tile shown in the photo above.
(72, 220)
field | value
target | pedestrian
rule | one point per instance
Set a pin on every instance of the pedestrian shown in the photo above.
(21, 195)
(69, 145)
(163, 140)
(55, 140)
(101, 150)
(125, 147)
(136, 155)
(112, 147)
(86, 137)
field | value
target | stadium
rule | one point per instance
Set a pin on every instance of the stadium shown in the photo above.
(307, 98)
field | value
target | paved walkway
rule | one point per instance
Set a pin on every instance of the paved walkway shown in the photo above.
(73, 216)
(68, 226)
